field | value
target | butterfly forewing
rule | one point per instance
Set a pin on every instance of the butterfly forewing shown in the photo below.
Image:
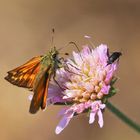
(24, 75)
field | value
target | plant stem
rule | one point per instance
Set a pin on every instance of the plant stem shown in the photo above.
(123, 117)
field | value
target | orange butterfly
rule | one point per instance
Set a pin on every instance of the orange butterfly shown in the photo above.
(35, 75)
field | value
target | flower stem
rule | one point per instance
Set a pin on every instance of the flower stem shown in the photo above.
(122, 116)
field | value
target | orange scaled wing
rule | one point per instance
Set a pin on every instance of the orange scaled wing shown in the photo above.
(40, 89)
(24, 75)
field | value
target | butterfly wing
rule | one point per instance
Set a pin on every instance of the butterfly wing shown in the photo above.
(24, 75)
(40, 90)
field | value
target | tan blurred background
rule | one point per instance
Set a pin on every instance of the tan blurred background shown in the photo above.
(25, 31)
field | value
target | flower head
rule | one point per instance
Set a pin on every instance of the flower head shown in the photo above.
(89, 76)
(86, 81)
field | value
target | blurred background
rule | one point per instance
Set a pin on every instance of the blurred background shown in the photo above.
(25, 31)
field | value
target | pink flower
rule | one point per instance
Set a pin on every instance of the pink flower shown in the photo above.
(86, 83)
(90, 75)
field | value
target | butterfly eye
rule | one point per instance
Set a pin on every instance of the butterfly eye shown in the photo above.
(54, 55)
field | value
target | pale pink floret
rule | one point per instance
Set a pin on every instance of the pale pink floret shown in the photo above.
(68, 113)
(96, 107)
(87, 36)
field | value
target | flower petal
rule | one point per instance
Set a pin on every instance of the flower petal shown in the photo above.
(30, 97)
(63, 111)
(72, 93)
(102, 51)
(86, 51)
(79, 108)
(77, 58)
(87, 36)
(102, 106)
(100, 118)
(54, 95)
(64, 122)
(92, 117)
(105, 89)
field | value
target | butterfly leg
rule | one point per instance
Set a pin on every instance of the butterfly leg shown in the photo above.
(66, 67)
(54, 76)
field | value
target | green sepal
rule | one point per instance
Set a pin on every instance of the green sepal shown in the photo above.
(88, 112)
(111, 93)
(113, 81)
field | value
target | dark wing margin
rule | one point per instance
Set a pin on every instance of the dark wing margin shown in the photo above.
(40, 91)
(24, 75)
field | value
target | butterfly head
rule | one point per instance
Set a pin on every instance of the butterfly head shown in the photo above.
(54, 53)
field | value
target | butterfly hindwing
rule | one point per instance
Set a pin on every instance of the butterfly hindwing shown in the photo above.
(40, 89)
(24, 75)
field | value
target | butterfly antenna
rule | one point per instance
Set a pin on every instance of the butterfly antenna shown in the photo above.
(76, 46)
(89, 40)
(71, 42)
(53, 33)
